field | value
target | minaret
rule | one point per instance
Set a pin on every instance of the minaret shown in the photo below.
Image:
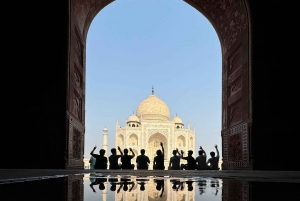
(105, 132)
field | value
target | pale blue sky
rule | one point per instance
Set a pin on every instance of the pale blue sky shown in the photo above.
(133, 45)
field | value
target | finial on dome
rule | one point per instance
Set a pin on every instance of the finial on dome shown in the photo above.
(152, 90)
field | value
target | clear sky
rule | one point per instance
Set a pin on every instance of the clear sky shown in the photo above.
(133, 45)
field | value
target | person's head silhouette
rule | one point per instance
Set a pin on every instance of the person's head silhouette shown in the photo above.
(126, 151)
(102, 152)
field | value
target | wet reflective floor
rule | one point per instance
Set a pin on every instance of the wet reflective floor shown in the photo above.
(95, 187)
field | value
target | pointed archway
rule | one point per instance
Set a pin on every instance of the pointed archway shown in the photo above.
(230, 20)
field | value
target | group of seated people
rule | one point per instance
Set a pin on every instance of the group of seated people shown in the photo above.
(200, 163)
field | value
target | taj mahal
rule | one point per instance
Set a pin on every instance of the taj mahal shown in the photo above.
(151, 125)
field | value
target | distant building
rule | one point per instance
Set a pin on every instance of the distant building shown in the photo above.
(150, 126)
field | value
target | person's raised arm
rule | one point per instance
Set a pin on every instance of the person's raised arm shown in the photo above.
(120, 188)
(178, 151)
(203, 150)
(120, 150)
(92, 152)
(217, 151)
(133, 154)
(131, 186)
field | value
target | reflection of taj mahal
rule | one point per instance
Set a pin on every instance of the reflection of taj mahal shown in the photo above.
(150, 126)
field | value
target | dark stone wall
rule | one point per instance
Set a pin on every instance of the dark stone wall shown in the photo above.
(34, 94)
(47, 190)
(275, 130)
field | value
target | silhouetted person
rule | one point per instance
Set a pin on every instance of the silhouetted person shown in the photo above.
(142, 161)
(174, 163)
(113, 159)
(158, 162)
(101, 160)
(126, 159)
(213, 162)
(160, 186)
(100, 182)
(191, 162)
(201, 160)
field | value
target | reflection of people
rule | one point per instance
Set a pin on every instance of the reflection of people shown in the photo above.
(158, 162)
(174, 163)
(113, 159)
(202, 186)
(124, 183)
(177, 184)
(160, 185)
(201, 159)
(126, 159)
(190, 185)
(142, 161)
(142, 185)
(101, 160)
(213, 162)
(191, 163)
(100, 182)
(92, 162)
(113, 183)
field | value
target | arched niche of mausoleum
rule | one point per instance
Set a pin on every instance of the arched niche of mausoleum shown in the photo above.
(180, 142)
(154, 145)
(133, 140)
(120, 140)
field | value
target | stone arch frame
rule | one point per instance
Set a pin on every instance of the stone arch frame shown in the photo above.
(230, 19)
(133, 140)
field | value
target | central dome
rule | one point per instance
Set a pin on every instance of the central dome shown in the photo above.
(152, 108)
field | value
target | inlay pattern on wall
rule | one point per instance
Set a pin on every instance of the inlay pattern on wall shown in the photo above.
(229, 17)
(235, 148)
(238, 137)
(77, 140)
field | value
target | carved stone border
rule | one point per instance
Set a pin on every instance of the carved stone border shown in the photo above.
(73, 123)
(244, 163)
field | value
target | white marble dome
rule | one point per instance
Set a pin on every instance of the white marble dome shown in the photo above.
(153, 108)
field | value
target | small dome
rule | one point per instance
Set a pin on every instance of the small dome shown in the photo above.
(105, 129)
(134, 118)
(177, 120)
